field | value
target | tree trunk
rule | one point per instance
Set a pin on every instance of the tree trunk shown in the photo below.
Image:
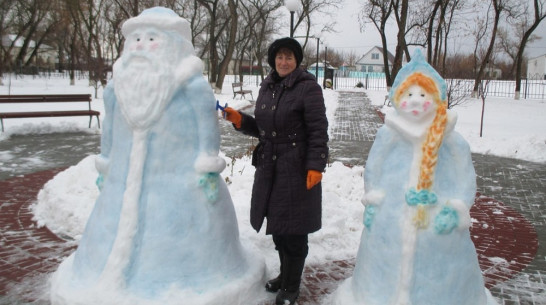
(401, 41)
(539, 16)
(485, 61)
(232, 4)
(430, 29)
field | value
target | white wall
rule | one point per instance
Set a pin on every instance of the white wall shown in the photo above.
(536, 67)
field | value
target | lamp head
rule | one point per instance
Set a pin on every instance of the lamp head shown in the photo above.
(292, 5)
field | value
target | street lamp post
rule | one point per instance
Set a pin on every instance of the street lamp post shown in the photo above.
(292, 6)
(325, 64)
(316, 64)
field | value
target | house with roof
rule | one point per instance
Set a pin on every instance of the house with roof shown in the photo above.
(45, 56)
(372, 61)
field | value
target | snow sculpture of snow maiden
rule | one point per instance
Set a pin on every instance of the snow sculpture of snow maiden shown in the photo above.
(420, 183)
(163, 229)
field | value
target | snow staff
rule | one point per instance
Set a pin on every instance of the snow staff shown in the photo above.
(290, 123)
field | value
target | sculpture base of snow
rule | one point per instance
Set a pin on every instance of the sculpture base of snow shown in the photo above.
(419, 186)
(163, 229)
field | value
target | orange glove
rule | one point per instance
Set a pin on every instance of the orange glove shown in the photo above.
(233, 116)
(313, 177)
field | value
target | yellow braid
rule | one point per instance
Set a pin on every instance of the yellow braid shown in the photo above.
(430, 148)
(435, 133)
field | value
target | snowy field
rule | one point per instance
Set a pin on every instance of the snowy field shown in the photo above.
(514, 129)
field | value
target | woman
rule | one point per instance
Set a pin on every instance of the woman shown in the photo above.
(290, 123)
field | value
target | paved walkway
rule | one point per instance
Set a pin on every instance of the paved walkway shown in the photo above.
(509, 220)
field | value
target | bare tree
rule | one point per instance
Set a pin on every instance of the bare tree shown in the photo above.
(499, 6)
(198, 19)
(528, 27)
(308, 9)
(6, 13)
(266, 26)
(482, 93)
(260, 23)
(33, 25)
(439, 27)
(400, 9)
(457, 92)
(508, 43)
(217, 23)
(378, 12)
(230, 47)
(350, 58)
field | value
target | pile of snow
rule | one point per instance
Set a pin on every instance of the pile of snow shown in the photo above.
(65, 202)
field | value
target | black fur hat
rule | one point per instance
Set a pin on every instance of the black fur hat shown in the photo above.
(287, 42)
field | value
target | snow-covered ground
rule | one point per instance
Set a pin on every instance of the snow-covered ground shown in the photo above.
(515, 129)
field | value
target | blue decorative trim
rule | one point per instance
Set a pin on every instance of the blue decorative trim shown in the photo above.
(99, 182)
(425, 197)
(368, 216)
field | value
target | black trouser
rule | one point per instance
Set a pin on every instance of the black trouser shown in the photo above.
(292, 250)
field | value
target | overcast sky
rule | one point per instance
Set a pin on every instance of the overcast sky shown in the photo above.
(349, 36)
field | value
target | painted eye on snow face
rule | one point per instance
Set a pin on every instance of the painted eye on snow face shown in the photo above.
(422, 95)
(151, 39)
(138, 39)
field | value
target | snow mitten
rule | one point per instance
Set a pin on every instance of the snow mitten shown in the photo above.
(446, 220)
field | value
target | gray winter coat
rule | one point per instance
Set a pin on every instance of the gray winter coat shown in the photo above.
(290, 123)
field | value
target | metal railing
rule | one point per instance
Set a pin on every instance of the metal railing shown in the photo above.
(530, 88)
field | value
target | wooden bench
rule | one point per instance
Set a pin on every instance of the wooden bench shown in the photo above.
(56, 98)
(238, 89)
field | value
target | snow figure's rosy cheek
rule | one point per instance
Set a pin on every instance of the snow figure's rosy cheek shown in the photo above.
(404, 105)
(426, 105)
(154, 46)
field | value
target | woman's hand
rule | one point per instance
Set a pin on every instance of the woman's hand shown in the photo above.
(233, 116)
(313, 178)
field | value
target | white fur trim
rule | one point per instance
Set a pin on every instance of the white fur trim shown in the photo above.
(462, 211)
(188, 67)
(451, 121)
(102, 164)
(374, 197)
(209, 164)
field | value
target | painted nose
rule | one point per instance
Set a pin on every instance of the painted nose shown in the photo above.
(415, 100)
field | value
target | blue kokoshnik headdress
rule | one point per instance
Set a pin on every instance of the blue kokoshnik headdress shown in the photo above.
(419, 64)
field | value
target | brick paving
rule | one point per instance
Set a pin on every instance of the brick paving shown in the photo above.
(509, 222)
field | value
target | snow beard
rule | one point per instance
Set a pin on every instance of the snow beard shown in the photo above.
(144, 85)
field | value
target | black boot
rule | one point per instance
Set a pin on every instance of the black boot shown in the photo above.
(291, 279)
(284, 297)
(275, 284)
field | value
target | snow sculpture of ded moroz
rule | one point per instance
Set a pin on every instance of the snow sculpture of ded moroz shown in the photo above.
(163, 229)
(420, 183)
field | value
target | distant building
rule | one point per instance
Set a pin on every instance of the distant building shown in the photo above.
(320, 67)
(493, 73)
(536, 67)
(372, 61)
(46, 56)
